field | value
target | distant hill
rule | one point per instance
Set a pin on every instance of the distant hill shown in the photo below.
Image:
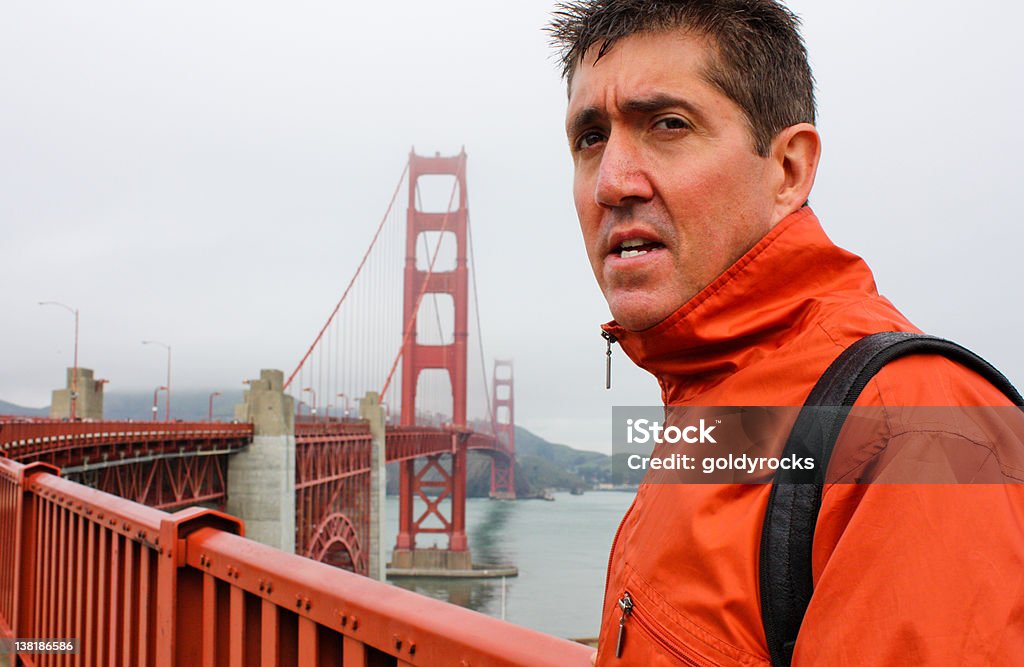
(540, 466)
(187, 405)
(21, 411)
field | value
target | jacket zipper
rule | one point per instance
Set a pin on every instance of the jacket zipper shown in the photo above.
(654, 631)
(608, 358)
(626, 605)
(611, 553)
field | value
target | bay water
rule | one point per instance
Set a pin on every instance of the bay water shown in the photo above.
(561, 549)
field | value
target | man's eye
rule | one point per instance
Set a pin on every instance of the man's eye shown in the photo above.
(588, 140)
(671, 123)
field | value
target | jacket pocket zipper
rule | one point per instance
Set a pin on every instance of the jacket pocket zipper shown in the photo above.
(653, 631)
(611, 553)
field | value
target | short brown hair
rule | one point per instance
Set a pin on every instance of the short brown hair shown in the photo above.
(762, 60)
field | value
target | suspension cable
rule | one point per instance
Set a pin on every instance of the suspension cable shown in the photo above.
(479, 330)
(351, 282)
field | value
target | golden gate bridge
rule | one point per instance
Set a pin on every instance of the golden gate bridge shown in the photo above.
(130, 536)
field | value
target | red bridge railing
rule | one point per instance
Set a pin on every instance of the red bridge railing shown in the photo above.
(138, 586)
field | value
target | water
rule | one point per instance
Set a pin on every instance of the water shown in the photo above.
(561, 550)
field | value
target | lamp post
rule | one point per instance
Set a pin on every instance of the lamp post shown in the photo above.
(74, 370)
(155, 392)
(216, 393)
(345, 396)
(313, 408)
(387, 411)
(167, 404)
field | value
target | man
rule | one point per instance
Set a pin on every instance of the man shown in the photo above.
(691, 126)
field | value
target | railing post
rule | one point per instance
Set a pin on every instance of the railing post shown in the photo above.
(179, 593)
(26, 552)
(371, 411)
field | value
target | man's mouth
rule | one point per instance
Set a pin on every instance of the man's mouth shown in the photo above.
(636, 247)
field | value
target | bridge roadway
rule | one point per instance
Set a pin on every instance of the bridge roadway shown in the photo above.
(122, 457)
(96, 445)
(140, 586)
(172, 465)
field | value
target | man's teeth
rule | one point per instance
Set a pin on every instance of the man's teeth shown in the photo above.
(626, 253)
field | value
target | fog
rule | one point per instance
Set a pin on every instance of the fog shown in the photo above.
(207, 175)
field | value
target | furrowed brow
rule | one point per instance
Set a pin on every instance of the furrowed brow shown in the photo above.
(662, 102)
(640, 106)
(583, 119)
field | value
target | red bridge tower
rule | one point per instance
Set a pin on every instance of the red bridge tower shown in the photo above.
(503, 471)
(433, 482)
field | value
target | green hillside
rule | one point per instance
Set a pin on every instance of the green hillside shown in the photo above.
(542, 465)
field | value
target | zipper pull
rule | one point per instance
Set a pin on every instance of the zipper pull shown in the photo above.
(626, 605)
(608, 359)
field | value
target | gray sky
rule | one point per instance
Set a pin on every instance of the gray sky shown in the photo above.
(206, 174)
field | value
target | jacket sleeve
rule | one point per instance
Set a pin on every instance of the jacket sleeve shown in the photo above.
(923, 574)
(917, 574)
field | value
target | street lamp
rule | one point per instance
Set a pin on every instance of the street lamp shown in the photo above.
(74, 370)
(216, 393)
(167, 404)
(155, 392)
(313, 408)
(345, 396)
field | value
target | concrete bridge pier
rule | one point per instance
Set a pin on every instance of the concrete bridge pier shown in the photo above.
(82, 398)
(261, 477)
(371, 410)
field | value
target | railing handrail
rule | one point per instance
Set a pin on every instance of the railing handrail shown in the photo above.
(15, 431)
(385, 614)
(193, 552)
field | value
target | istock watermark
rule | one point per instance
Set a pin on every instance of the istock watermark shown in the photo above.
(642, 431)
(832, 445)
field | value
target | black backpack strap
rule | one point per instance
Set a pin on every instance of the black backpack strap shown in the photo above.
(788, 532)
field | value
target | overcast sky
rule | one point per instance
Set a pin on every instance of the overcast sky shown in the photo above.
(206, 174)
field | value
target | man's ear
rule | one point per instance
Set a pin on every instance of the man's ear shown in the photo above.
(795, 152)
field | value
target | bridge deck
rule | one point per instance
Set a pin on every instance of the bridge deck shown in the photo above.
(106, 443)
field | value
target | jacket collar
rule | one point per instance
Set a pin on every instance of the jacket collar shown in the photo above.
(750, 310)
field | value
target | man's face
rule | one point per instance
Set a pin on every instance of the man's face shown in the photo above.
(668, 188)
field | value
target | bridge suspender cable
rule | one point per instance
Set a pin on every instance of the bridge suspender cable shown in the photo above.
(426, 281)
(362, 263)
(476, 309)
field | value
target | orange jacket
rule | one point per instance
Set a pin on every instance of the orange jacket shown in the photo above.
(903, 574)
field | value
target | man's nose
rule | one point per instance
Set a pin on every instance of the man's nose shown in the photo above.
(622, 177)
